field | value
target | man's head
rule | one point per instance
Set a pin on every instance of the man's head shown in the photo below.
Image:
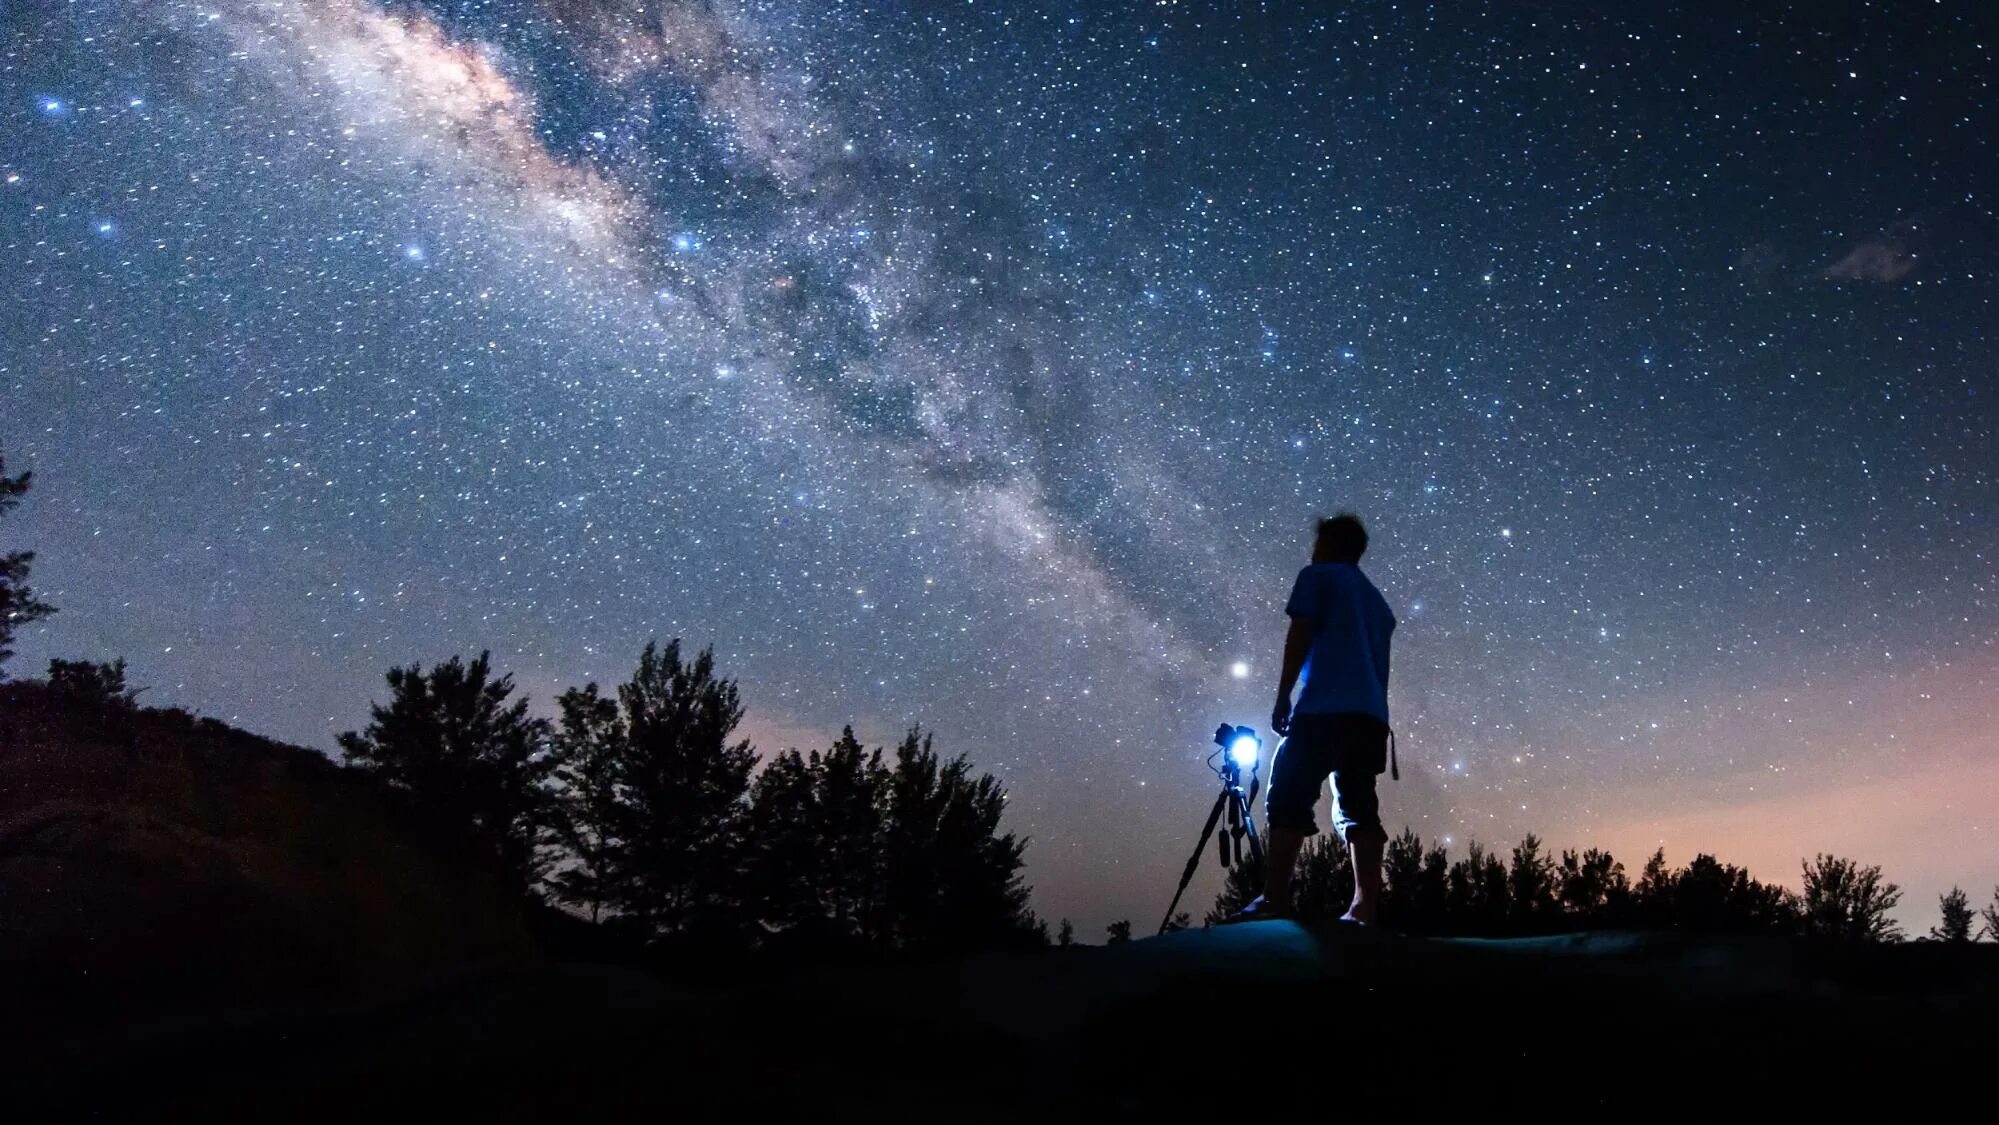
(1341, 539)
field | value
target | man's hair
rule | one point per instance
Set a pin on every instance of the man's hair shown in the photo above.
(1340, 539)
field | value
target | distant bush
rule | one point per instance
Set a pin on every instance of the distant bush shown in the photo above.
(1481, 894)
(85, 681)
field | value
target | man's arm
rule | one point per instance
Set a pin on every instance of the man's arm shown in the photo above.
(1297, 646)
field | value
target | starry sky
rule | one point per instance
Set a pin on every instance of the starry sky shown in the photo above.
(984, 365)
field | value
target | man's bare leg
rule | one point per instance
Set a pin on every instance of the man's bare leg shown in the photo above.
(1366, 854)
(1280, 860)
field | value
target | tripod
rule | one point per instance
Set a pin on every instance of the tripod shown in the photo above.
(1242, 825)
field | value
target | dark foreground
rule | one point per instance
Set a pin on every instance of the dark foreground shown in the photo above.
(1261, 1020)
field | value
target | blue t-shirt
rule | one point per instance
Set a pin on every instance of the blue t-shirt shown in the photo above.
(1347, 668)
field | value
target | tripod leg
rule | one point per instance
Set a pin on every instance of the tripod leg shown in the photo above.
(1194, 861)
(1249, 829)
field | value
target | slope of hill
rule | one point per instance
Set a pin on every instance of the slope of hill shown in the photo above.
(151, 858)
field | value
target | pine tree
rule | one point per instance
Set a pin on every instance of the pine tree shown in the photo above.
(1530, 884)
(951, 878)
(1066, 935)
(1991, 916)
(681, 789)
(1322, 888)
(1592, 887)
(1652, 897)
(1433, 893)
(850, 791)
(18, 604)
(1843, 901)
(1957, 917)
(1402, 874)
(587, 822)
(473, 765)
(815, 841)
(1479, 893)
(88, 682)
(786, 875)
(1118, 932)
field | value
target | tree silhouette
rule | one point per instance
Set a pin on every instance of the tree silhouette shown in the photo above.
(1432, 892)
(1065, 936)
(472, 763)
(1478, 892)
(1481, 894)
(951, 878)
(1118, 932)
(850, 789)
(1323, 885)
(587, 825)
(1530, 885)
(1843, 901)
(1991, 916)
(99, 685)
(1592, 887)
(1652, 896)
(18, 604)
(1402, 874)
(1712, 896)
(1239, 887)
(786, 870)
(815, 828)
(1957, 917)
(679, 789)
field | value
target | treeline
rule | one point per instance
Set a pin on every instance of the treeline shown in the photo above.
(1532, 891)
(640, 809)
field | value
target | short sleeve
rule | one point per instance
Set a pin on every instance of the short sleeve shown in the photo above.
(1308, 596)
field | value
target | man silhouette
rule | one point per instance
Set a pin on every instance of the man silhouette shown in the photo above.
(1338, 647)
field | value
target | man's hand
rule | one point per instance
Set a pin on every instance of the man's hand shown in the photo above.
(1280, 716)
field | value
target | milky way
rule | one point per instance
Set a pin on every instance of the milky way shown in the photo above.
(983, 366)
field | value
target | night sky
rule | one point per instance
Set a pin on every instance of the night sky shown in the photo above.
(984, 366)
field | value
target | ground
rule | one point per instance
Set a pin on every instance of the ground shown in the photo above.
(1252, 1020)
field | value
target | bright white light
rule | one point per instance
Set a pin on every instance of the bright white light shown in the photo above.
(1243, 750)
(1240, 670)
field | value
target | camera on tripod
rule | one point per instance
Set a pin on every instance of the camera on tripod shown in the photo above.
(1240, 745)
(1240, 751)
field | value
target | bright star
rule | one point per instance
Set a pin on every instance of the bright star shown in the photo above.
(413, 252)
(1240, 670)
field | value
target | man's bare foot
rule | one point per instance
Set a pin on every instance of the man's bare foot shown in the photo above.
(1258, 909)
(1359, 916)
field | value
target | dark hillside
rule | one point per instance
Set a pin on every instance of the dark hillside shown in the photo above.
(148, 857)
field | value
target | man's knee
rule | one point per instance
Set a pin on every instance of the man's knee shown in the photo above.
(1363, 832)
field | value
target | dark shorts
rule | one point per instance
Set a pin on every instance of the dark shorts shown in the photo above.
(1350, 747)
